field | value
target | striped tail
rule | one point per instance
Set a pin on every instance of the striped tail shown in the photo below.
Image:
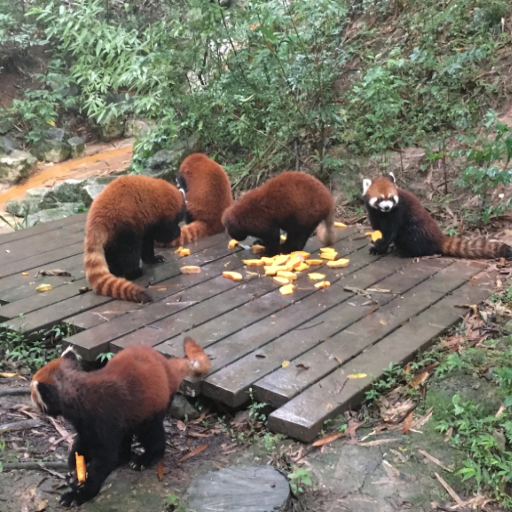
(325, 231)
(190, 233)
(474, 249)
(99, 276)
(195, 363)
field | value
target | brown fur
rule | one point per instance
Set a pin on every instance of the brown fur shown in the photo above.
(122, 224)
(208, 194)
(294, 202)
(413, 230)
(107, 407)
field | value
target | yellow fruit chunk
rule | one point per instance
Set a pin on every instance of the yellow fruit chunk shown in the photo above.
(302, 267)
(315, 276)
(81, 473)
(281, 260)
(178, 250)
(185, 252)
(287, 289)
(327, 249)
(322, 284)
(267, 261)
(191, 269)
(235, 276)
(287, 275)
(284, 364)
(25, 274)
(304, 254)
(295, 262)
(257, 249)
(283, 238)
(44, 288)
(339, 225)
(314, 262)
(281, 280)
(343, 262)
(329, 255)
(375, 235)
(232, 244)
(271, 270)
(254, 263)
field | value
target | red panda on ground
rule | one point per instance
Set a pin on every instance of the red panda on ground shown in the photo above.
(402, 220)
(294, 202)
(122, 224)
(128, 396)
(208, 194)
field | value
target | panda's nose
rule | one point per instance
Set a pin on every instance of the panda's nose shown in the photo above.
(385, 208)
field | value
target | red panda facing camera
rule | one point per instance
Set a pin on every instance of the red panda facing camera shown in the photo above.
(294, 202)
(403, 220)
(107, 407)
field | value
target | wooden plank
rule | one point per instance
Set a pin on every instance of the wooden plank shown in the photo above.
(51, 315)
(303, 417)
(230, 384)
(238, 344)
(214, 310)
(43, 227)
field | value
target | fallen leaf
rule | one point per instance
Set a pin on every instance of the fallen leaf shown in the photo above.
(419, 378)
(180, 425)
(356, 376)
(160, 470)
(407, 423)
(435, 461)
(193, 453)
(43, 505)
(352, 427)
(450, 491)
(9, 375)
(329, 438)
(54, 272)
(84, 289)
(261, 356)
(303, 366)
(285, 364)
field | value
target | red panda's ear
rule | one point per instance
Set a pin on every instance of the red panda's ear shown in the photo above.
(69, 353)
(392, 177)
(366, 185)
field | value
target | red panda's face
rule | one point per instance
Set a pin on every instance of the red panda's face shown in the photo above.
(381, 193)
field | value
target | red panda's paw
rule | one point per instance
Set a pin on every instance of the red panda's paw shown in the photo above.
(68, 499)
(73, 482)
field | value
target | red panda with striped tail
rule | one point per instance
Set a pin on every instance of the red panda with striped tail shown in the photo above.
(403, 221)
(128, 397)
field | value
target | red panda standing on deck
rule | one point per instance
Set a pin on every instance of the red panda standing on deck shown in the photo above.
(294, 202)
(122, 225)
(128, 396)
(208, 194)
(403, 220)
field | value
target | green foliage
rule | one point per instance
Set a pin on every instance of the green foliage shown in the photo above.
(387, 382)
(17, 225)
(105, 356)
(299, 478)
(174, 504)
(255, 408)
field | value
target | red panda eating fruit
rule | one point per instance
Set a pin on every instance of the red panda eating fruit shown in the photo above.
(294, 202)
(208, 194)
(128, 397)
(402, 220)
(123, 222)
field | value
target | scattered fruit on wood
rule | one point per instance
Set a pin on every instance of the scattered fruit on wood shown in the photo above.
(315, 276)
(287, 289)
(304, 254)
(327, 249)
(295, 262)
(235, 276)
(81, 473)
(281, 260)
(232, 244)
(257, 249)
(267, 261)
(375, 235)
(185, 252)
(302, 267)
(322, 284)
(287, 275)
(24, 274)
(341, 263)
(254, 263)
(271, 270)
(284, 364)
(178, 250)
(314, 262)
(329, 255)
(356, 376)
(339, 225)
(44, 288)
(281, 280)
(191, 269)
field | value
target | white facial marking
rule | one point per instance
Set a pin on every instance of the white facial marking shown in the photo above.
(38, 402)
(396, 199)
(372, 201)
(366, 185)
(385, 206)
(70, 349)
(392, 176)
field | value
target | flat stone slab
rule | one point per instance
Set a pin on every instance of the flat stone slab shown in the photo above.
(239, 489)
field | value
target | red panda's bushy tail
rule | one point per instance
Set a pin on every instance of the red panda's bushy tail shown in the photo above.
(190, 233)
(195, 363)
(99, 276)
(474, 249)
(325, 231)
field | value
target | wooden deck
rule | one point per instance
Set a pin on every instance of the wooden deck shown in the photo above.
(378, 310)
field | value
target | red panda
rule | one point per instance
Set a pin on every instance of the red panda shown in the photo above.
(403, 220)
(128, 396)
(208, 194)
(122, 224)
(294, 202)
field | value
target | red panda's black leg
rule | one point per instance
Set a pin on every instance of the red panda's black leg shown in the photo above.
(151, 436)
(123, 255)
(148, 250)
(125, 450)
(295, 240)
(271, 241)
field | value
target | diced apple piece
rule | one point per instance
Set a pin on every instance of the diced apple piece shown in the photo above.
(235, 276)
(315, 276)
(232, 244)
(287, 289)
(343, 262)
